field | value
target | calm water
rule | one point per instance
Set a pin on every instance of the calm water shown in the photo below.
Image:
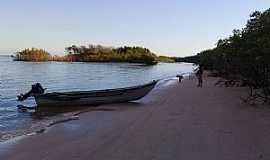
(17, 77)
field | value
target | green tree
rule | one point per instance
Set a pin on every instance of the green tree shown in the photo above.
(244, 55)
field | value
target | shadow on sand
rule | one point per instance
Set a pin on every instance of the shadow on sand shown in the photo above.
(42, 112)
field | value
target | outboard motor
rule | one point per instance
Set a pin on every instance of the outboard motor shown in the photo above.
(36, 89)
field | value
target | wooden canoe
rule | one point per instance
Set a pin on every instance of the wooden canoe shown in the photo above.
(95, 97)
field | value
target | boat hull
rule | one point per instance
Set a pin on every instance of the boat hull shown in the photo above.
(82, 98)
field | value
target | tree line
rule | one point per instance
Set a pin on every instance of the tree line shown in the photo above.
(92, 53)
(188, 59)
(244, 55)
(98, 53)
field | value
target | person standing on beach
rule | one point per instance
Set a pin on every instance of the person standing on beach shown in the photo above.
(199, 74)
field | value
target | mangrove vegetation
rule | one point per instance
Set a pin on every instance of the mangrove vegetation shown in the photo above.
(98, 53)
(33, 54)
(91, 53)
(244, 56)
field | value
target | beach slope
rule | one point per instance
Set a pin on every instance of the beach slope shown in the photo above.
(175, 121)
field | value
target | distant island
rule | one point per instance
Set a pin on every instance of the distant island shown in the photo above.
(32, 54)
(95, 53)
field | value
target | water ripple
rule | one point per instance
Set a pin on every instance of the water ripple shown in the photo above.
(17, 77)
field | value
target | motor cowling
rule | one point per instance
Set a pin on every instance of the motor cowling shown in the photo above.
(36, 89)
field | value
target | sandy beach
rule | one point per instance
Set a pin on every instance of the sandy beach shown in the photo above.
(175, 121)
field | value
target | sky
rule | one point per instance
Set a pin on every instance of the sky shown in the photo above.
(167, 27)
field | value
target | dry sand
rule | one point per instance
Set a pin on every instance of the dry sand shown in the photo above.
(175, 122)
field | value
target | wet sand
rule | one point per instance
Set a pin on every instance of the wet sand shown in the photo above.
(175, 121)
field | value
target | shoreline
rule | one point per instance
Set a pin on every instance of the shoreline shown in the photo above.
(62, 77)
(47, 123)
(174, 121)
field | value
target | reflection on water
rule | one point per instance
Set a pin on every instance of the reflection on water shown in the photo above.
(17, 77)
